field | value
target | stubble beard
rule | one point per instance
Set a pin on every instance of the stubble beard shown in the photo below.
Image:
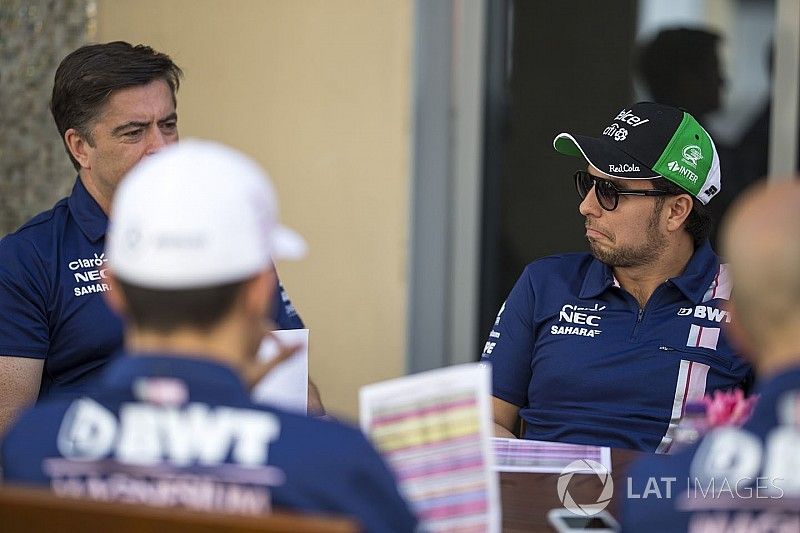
(636, 255)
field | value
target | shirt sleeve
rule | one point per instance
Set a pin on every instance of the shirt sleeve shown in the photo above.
(283, 312)
(509, 348)
(24, 330)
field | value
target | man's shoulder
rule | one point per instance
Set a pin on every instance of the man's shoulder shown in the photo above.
(558, 261)
(41, 227)
(565, 266)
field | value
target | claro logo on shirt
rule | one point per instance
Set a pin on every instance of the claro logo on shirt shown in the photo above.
(89, 275)
(146, 434)
(583, 321)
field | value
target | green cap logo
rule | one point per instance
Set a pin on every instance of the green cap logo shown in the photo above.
(690, 160)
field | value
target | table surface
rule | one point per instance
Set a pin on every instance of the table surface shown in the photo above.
(527, 497)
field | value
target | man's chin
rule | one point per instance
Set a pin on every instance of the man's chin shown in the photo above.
(604, 255)
(597, 250)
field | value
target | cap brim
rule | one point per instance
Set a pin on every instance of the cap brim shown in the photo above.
(287, 244)
(603, 155)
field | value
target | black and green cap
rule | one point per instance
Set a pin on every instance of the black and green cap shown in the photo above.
(650, 140)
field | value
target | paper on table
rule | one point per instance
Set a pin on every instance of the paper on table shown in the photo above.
(286, 386)
(434, 429)
(520, 455)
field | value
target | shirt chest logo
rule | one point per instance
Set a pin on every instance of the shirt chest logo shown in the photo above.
(578, 320)
(89, 275)
(706, 312)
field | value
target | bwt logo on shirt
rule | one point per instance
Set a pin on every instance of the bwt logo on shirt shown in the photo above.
(146, 434)
(707, 312)
(574, 314)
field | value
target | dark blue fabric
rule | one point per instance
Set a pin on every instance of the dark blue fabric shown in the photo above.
(51, 306)
(328, 467)
(586, 365)
(769, 488)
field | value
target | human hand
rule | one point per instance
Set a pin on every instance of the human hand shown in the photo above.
(256, 368)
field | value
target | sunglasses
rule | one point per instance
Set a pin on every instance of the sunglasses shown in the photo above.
(607, 193)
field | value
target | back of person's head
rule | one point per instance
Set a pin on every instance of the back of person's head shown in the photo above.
(86, 78)
(761, 238)
(189, 227)
(680, 67)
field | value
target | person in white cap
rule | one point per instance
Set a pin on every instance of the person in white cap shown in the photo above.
(192, 238)
(608, 347)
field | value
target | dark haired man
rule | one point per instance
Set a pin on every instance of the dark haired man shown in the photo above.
(607, 348)
(170, 422)
(113, 104)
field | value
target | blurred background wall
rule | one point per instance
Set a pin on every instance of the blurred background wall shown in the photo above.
(34, 168)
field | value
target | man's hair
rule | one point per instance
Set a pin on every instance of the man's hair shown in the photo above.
(674, 53)
(699, 221)
(165, 311)
(86, 78)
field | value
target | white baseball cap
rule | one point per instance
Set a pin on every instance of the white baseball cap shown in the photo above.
(196, 214)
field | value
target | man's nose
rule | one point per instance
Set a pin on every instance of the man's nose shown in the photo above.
(156, 140)
(589, 205)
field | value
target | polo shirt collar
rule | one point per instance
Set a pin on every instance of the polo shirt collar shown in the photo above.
(206, 380)
(599, 277)
(87, 213)
(698, 275)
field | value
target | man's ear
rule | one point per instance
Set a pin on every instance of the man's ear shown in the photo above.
(115, 299)
(78, 146)
(259, 291)
(678, 208)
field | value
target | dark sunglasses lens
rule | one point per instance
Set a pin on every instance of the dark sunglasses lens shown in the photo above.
(583, 182)
(606, 194)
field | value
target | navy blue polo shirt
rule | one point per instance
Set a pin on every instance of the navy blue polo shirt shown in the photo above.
(180, 431)
(587, 365)
(735, 479)
(52, 276)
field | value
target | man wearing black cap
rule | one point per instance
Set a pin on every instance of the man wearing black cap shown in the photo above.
(608, 348)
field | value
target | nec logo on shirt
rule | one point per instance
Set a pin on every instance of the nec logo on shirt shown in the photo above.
(707, 312)
(574, 314)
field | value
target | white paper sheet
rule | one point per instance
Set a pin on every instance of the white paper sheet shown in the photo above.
(434, 430)
(286, 386)
(520, 455)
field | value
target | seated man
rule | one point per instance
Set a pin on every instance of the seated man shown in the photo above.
(192, 235)
(743, 479)
(606, 348)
